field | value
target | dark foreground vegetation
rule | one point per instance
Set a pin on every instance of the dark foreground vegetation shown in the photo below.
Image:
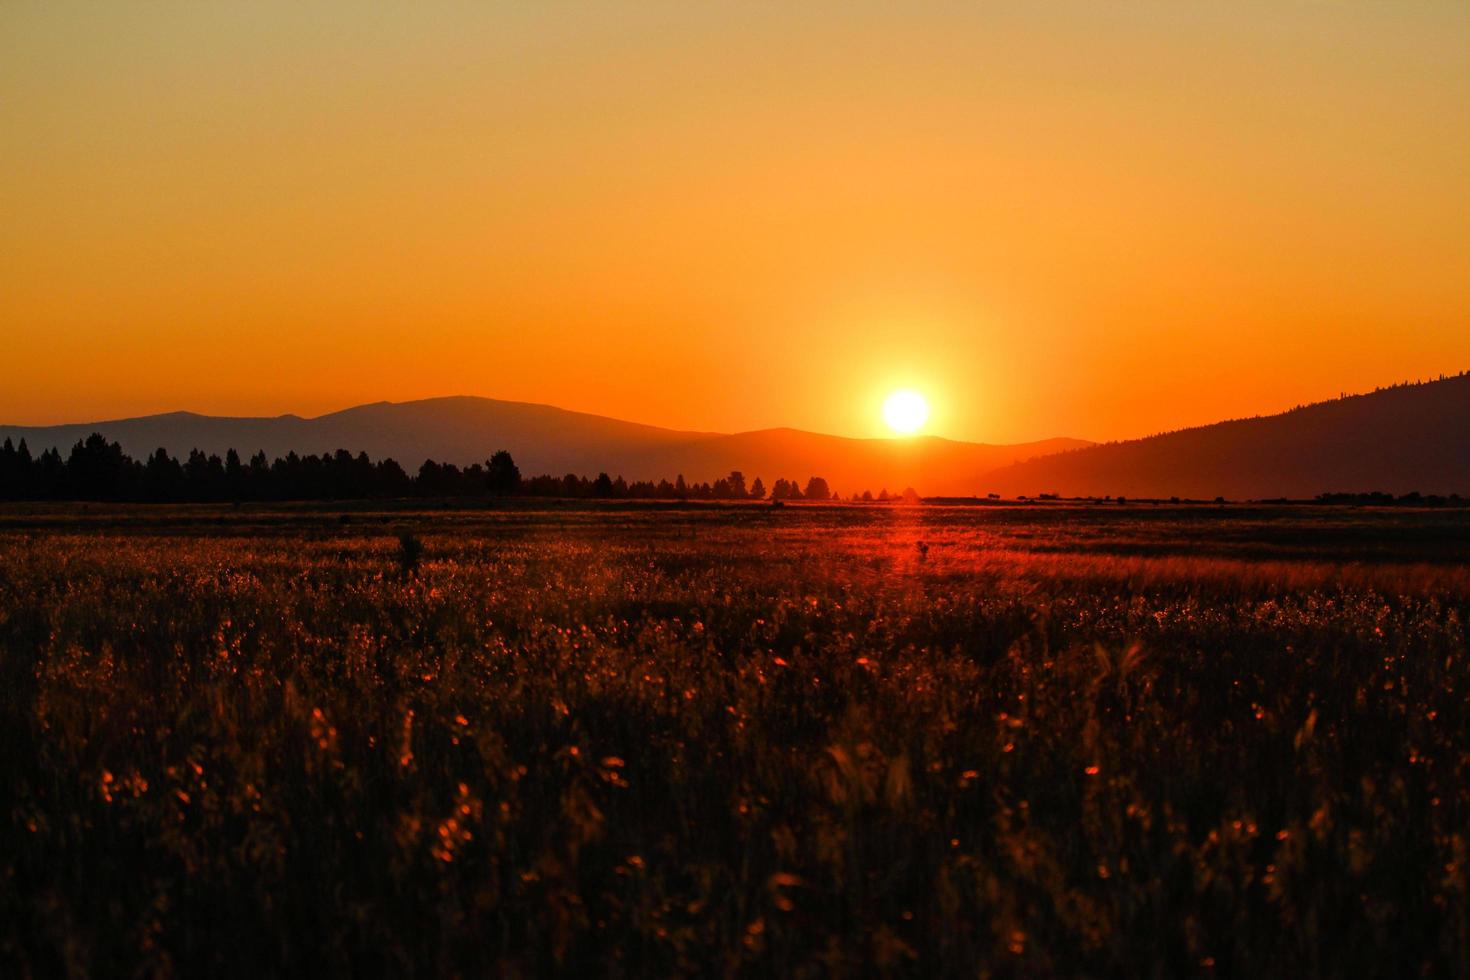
(650, 740)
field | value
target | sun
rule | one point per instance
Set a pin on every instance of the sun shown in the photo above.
(905, 412)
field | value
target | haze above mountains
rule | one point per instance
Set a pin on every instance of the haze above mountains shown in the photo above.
(1398, 440)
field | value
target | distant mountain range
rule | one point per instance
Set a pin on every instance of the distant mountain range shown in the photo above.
(544, 439)
(1397, 440)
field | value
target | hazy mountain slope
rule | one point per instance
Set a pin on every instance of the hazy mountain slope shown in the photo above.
(461, 430)
(544, 439)
(1402, 439)
(465, 430)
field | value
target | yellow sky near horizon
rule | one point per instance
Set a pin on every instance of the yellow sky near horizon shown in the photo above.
(1094, 220)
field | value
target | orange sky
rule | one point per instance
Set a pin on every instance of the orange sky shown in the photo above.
(1096, 220)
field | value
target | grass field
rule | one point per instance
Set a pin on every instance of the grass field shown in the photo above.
(653, 740)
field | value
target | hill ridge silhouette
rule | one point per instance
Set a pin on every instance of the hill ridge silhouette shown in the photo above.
(464, 429)
(1401, 438)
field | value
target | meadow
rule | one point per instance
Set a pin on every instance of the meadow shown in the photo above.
(650, 740)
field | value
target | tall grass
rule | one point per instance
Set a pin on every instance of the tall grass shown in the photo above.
(658, 742)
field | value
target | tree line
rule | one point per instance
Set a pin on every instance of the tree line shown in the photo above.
(99, 470)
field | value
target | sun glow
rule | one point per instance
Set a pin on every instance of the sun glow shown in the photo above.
(905, 412)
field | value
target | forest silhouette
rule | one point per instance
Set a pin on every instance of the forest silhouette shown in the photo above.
(98, 470)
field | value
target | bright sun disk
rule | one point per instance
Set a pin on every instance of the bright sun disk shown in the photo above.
(905, 411)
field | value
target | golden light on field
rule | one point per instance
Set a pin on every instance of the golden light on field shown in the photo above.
(905, 412)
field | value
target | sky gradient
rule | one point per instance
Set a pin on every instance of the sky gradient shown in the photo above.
(1092, 220)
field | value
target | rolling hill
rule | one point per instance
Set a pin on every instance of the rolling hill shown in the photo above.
(544, 439)
(1397, 440)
